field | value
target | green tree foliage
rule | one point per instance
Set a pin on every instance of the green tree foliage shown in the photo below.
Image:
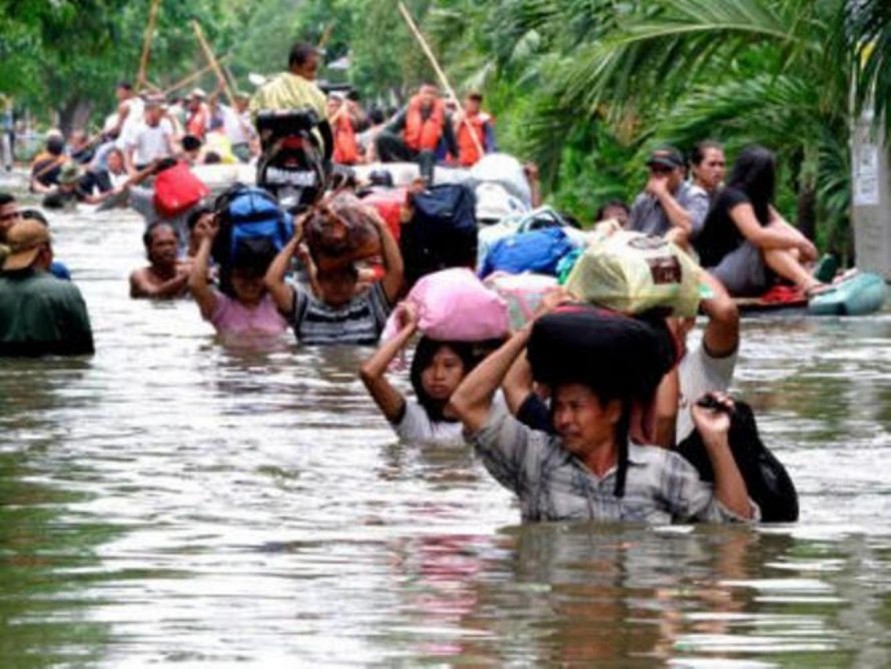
(583, 87)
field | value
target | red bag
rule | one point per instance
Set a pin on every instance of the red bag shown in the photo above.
(177, 190)
(389, 203)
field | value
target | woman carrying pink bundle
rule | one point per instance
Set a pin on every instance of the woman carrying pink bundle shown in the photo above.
(242, 306)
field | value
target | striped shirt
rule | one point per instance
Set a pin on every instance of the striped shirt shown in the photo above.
(553, 484)
(359, 321)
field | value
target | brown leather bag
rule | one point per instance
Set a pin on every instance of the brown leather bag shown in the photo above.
(342, 231)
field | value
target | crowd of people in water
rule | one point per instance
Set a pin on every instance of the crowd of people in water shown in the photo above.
(583, 412)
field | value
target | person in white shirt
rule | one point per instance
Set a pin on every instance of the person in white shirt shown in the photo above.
(154, 140)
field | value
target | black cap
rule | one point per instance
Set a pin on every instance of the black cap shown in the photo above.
(666, 157)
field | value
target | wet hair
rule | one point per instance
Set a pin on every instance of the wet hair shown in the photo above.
(754, 173)
(376, 116)
(126, 85)
(601, 210)
(149, 233)
(300, 53)
(35, 215)
(195, 216)
(6, 198)
(347, 270)
(191, 143)
(475, 95)
(423, 358)
(252, 257)
(55, 145)
(698, 153)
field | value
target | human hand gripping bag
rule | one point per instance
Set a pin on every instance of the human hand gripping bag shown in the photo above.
(454, 305)
(632, 273)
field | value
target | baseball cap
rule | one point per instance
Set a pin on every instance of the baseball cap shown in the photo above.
(666, 157)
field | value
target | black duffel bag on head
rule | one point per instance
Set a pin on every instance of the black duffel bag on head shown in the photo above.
(616, 355)
(442, 231)
(767, 481)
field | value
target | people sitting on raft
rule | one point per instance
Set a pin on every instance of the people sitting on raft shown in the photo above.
(340, 314)
(588, 468)
(166, 277)
(669, 206)
(422, 132)
(242, 305)
(707, 167)
(745, 243)
(481, 124)
(297, 89)
(436, 370)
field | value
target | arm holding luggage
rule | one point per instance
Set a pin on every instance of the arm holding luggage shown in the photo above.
(283, 294)
(714, 426)
(373, 373)
(201, 291)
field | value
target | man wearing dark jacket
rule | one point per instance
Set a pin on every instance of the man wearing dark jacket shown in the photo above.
(39, 314)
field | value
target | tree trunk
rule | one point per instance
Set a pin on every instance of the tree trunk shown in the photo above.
(74, 115)
(806, 219)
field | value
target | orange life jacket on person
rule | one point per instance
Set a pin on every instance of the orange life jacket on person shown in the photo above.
(468, 154)
(421, 135)
(346, 148)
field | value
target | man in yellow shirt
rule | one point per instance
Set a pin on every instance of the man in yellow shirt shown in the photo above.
(296, 89)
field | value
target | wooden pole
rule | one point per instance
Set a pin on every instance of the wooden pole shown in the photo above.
(192, 77)
(439, 73)
(326, 35)
(213, 62)
(147, 44)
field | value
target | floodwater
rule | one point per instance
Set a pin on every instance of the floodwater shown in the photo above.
(176, 501)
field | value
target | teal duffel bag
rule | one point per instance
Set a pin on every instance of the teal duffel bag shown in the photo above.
(862, 293)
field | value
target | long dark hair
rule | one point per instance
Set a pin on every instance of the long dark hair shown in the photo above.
(424, 353)
(754, 173)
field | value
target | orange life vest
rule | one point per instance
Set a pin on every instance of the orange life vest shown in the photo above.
(421, 135)
(346, 148)
(467, 152)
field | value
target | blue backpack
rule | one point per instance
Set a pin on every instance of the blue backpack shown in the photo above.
(536, 251)
(250, 218)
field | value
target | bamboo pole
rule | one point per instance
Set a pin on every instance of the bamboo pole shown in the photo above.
(213, 62)
(185, 81)
(147, 44)
(439, 73)
(326, 35)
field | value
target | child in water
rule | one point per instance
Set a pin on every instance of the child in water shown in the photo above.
(242, 306)
(341, 314)
(437, 369)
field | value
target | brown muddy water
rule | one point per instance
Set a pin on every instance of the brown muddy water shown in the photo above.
(175, 501)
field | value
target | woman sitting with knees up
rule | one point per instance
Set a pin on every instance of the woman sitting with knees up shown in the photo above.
(744, 242)
(242, 306)
(596, 366)
(436, 370)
